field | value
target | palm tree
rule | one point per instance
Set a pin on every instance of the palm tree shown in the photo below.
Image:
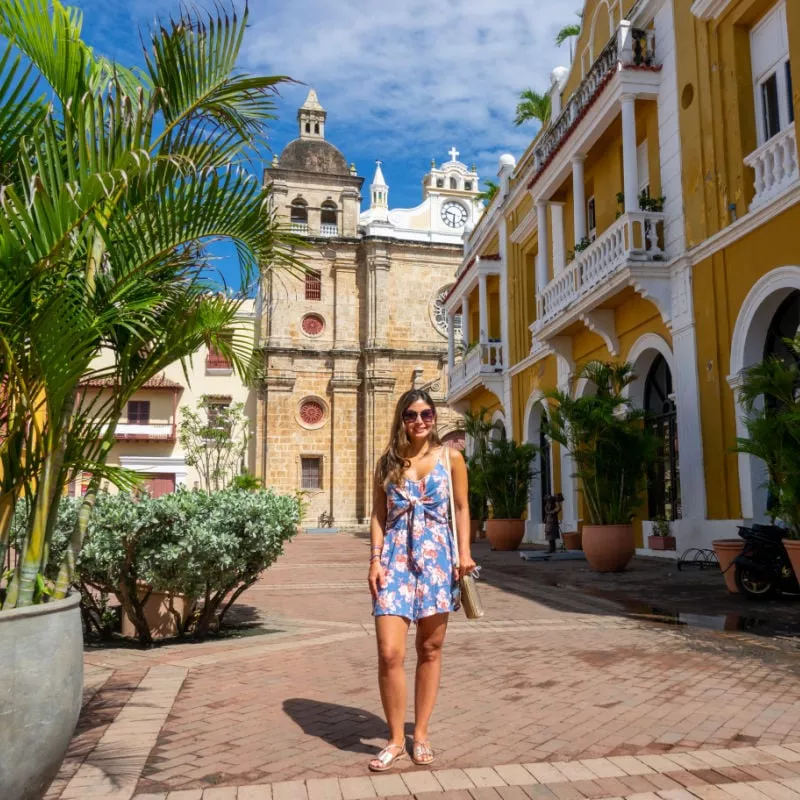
(110, 193)
(532, 105)
(570, 32)
(489, 192)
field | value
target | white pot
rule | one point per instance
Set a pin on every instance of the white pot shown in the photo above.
(41, 688)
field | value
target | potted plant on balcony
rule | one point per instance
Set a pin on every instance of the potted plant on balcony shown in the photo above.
(508, 472)
(612, 449)
(661, 537)
(769, 395)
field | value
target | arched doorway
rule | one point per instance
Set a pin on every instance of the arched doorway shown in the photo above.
(663, 478)
(784, 325)
(542, 483)
(768, 314)
(455, 439)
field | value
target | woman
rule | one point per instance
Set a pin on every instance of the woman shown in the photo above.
(411, 571)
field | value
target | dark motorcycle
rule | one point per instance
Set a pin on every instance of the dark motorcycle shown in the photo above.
(763, 568)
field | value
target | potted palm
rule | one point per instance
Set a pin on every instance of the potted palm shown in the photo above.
(478, 428)
(770, 398)
(612, 449)
(123, 178)
(476, 498)
(508, 473)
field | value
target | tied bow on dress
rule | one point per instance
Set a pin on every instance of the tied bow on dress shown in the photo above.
(417, 509)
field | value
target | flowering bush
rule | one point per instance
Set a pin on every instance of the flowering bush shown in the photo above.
(209, 547)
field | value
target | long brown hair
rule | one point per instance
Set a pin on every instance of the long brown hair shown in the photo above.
(393, 462)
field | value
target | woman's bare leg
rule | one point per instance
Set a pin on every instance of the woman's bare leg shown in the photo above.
(430, 638)
(392, 632)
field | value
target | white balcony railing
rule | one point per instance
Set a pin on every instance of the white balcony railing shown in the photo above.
(628, 47)
(775, 165)
(633, 237)
(483, 359)
(327, 229)
(152, 432)
(299, 227)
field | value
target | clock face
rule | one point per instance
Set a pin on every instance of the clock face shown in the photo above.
(454, 214)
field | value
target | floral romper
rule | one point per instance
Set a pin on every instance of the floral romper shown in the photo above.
(417, 555)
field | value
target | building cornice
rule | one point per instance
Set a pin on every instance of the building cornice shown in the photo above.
(710, 9)
(745, 225)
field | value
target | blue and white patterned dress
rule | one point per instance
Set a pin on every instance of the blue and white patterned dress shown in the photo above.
(417, 555)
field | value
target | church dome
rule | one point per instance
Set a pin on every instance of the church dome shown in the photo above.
(313, 155)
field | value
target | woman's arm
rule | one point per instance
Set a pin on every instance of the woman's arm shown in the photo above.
(458, 469)
(377, 529)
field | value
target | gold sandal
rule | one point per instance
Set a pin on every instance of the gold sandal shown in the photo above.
(386, 759)
(422, 754)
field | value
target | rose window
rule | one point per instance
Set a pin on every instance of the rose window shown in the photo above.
(312, 412)
(313, 325)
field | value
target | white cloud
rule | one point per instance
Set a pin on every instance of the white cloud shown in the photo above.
(413, 77)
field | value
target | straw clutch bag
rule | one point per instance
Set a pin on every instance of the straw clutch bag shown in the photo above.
(470, 598)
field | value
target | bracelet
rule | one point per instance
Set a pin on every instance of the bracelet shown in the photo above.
(377, 548)
(374, 558)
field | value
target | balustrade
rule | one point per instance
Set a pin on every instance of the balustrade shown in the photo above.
(634, 236)
(775, 165)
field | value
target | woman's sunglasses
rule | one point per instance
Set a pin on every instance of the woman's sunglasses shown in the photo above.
(427, 416)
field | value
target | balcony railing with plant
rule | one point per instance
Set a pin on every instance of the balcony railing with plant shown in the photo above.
(633, 237)
(479, 358)
(627, 47)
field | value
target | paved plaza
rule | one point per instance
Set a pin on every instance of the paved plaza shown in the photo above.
(555, 694)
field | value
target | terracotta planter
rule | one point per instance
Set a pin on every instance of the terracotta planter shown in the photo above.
(158, 615)
(505, 534)
(793, 549)
(572, 540)
(608, 548)
(474, 528)
(661, 542)
(726, 551)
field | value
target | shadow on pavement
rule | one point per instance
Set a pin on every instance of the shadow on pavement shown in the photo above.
(344, 727)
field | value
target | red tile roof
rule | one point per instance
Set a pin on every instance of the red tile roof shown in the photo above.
(159, 382)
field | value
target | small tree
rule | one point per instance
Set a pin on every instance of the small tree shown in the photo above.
(214, 438)
(533, 105)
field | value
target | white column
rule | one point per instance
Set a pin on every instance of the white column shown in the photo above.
(483, 310)
(451, 342)
(465, 321)
(543, 262)
(630, 167)
(579, 195)
(559, 248)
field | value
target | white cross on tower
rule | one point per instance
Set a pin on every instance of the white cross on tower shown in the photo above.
(453, 153)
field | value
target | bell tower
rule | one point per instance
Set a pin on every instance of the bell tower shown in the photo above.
(311, 118)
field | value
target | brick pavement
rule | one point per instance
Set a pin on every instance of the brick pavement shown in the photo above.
(547, 679)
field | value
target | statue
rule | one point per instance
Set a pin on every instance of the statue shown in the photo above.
(552, 508)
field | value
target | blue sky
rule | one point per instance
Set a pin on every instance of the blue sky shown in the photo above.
(402, 81)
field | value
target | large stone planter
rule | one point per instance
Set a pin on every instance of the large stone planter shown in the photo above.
(41, 688)
(608, 548)
(726, 551)
(505, 534)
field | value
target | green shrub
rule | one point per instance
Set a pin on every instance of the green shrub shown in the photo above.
(210, 547)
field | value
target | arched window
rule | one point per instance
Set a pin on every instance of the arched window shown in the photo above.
(308, 127)
(299, 212)
(440, 183)
(467, 186)
(316, 127)
(663, 479)
(453, 183)
(328, 219)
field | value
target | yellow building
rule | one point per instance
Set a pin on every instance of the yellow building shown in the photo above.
(652, 221)
(147, 434)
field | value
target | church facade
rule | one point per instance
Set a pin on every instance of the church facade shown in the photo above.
(362, 325)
